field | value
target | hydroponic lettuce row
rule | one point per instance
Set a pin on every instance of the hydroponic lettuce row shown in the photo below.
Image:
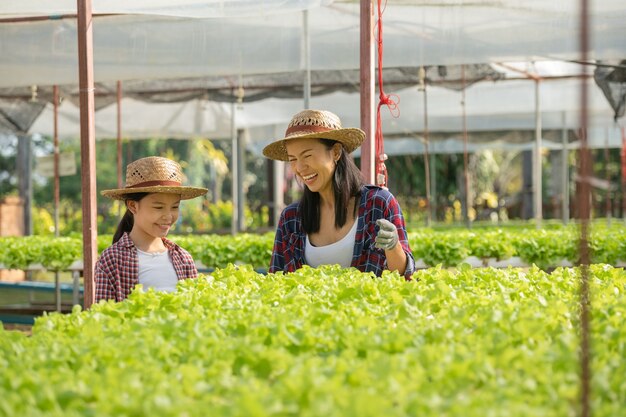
(327, 342)
(545, 248)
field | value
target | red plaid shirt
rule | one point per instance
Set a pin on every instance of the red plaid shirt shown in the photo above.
(376, 203)
(117, 269)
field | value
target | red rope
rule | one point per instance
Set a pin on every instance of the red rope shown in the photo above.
(623, 155)
(386, 100)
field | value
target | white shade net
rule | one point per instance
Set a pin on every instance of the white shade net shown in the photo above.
(179, 8)
(238, 44)
(130, 47)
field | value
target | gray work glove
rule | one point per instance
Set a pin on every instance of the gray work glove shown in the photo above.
(387, 237)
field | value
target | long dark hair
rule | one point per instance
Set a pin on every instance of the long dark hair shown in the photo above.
(128, 220)
(347, 183)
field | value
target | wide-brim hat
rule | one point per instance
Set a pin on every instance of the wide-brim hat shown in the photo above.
(154, 174)
(318, 124)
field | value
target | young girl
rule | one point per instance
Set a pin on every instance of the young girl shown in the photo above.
(140, 253)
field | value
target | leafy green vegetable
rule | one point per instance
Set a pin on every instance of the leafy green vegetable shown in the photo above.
(327, 341)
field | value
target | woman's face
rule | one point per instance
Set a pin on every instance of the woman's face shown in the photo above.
(313, 162)
(155, 214)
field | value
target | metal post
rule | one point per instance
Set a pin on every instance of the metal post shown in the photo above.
(564, 173)
(583, 191)
(57, 192)
(57, 291)
(433, 185)
(271, 192)
(537, 177)
(279, 185)
(623, 172)
(426, 157)
(306, 52)
(25, 169)
(119, 137)
(234, 170)
(468, 199)
(241, 174)
(75, 286)
(55, 106)
(87, 146)
(607, 174)
(368, 150)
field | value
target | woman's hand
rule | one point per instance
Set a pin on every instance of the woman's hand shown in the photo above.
(387, 237)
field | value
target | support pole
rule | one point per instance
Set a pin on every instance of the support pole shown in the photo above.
(55, 106)
(433, 185)
(584, 190)
(234, 170)
(25, 175)
(537, 177)
(119, 135)
(87, 146)
(279, 185)
(119, 144)
(426, 155)
(564, 173)
(607, 173)
(306, 53)
(468, 199)
(368, 150)
(75, 286)
(623, 172)
(241, 174)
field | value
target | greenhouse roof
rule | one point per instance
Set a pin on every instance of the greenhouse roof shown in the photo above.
(180, 66)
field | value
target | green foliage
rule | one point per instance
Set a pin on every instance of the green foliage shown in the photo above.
(201, 216)
(70, 220)
(491, 244)
(328, 342)
(19, 252)
(544, 248)
(438, 248)
(218, 251)
(608, 246)
(59, 253)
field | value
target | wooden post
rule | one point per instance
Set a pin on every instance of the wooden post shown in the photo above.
(87, 146)
(368, 150)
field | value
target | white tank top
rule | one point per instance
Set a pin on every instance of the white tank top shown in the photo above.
(339, 252)
(157, 271)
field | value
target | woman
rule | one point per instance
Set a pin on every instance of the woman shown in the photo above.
(339, 220)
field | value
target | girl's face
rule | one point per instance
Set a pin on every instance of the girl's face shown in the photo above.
(155, 214)
(313, 162)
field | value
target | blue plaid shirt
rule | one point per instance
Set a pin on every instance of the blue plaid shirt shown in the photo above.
(376, 203)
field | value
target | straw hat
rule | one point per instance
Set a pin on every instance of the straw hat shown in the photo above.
(154, 175)
(320, 124)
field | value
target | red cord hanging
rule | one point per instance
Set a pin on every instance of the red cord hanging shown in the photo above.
(384, 99)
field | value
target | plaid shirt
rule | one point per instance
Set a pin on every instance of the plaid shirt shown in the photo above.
(376, 203)
(117, 269)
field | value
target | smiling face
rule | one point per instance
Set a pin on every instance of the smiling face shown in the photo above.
(313, 162)
(154, 215)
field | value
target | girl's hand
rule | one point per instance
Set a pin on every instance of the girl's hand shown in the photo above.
(387, 237)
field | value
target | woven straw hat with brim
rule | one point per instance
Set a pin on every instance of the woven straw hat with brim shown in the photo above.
(318, 124)
(155, 174)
